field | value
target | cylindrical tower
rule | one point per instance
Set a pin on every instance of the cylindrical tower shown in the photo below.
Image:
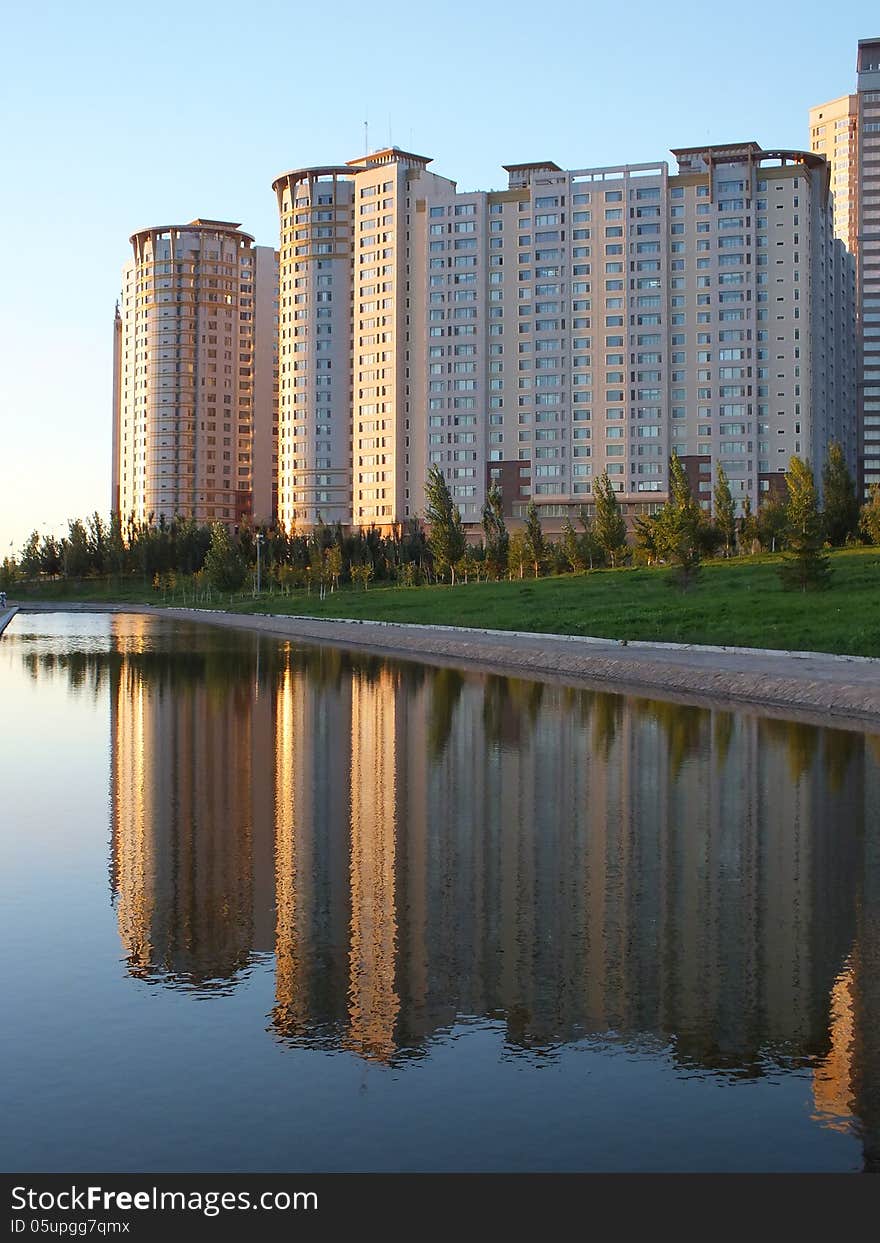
(316, 206)
(186, 418)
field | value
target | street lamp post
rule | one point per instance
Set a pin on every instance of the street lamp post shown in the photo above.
(259, 542)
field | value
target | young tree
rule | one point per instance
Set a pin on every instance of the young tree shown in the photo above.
(678, 528)
(333, 557)
(446, 540)
(225, 567)
(609, 525)
(725, 511)
(869, 522)
(748, 527)
(646, 530)
(772, 522)
(76, 551)
(50, 556)
(9, 574)
(97, 542)
(589, 543)
(29, 558)
(495, 532)
(468, 566)
(535, 542)
(116, 550)
(807, 568)
(841, 516)
(518, 554)
(571, 549)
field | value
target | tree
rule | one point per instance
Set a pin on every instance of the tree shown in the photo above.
(841, 516)
(29, 560)
(807, 568)
(362, 573)
(116, 555)
(869, 522)
(646, 530)
(748, 527)
(333, 557)
(446, 540)
(225, 567)
(679, 527)
(495, 532)
(772, 523)
(76, 550)
(468, 566)
(589, 543)
(50, 556)
(724, 511)
(535, 542)
(9, 574)
(609, 525)
(518, 554)
(97, 542)
(571, 548)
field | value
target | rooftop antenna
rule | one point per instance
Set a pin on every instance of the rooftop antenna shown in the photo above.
(366, 137)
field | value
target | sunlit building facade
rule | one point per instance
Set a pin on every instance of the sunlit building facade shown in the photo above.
(847, 132)
(834, 134)
(195, 376)
(575, 323)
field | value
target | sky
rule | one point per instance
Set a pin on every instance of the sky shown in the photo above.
(116, 117)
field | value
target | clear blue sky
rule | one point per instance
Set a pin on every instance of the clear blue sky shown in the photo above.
(109, 115)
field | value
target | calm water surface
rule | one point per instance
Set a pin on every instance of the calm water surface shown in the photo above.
(277, 908)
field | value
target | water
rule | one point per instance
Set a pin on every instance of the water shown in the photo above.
(275, 908)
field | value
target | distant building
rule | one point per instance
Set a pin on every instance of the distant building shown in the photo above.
(573, 323)
(194, 401)
(847, 130)
(834, 133)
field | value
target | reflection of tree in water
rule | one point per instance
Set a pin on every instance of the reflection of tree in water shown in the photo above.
(684, 726)
(839, 749)
(874, 746)
(446, 688)
(801, 743)
(511, 708)
(722, 734)
(607, 717)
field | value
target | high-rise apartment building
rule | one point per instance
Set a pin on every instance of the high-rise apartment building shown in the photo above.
(868, 258)
(847, 132)
(195, 376)
(834, 132)
(576, 322)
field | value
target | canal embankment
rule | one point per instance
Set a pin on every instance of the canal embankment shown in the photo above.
(815, 684)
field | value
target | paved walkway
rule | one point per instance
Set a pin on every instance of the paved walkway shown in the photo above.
(843, 687)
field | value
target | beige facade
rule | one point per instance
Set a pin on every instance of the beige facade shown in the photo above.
(847, 132)
(314, 346)
(576, 322)
(834, 134)
(194, 402)
(869, 254)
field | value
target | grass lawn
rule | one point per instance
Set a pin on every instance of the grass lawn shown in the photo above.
(738, 602)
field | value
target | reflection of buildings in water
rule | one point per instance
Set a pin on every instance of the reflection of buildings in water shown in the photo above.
(311, 784)
(846, 1083)
(866, 972)
(184, 795)
(424, 846)
(832, 1074)
(376, 734)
